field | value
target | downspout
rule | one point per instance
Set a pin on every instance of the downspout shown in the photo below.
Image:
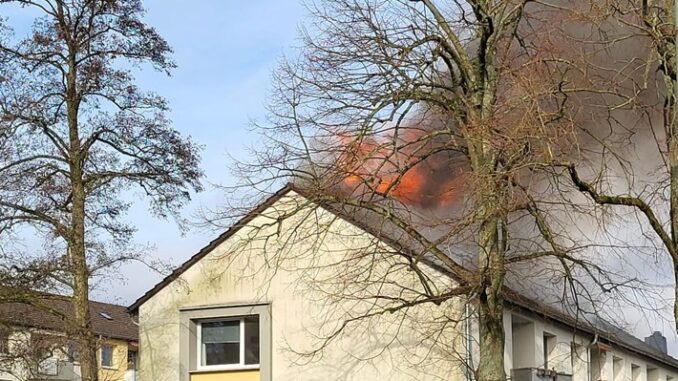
(469, 341)
(588, 352)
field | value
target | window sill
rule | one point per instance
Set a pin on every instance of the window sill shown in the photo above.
(226, 368)
(109, 367)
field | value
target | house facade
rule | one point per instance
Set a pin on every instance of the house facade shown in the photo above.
(274, 299)
(35, 347)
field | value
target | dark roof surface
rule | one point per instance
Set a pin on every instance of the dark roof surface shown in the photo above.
(120, 325)
(605, 331)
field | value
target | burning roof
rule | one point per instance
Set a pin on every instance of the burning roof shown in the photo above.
(578, 321)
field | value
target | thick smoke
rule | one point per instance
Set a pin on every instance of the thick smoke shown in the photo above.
(581, 87)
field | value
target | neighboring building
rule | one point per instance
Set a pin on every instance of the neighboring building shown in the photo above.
(34, 347)
(234, 312)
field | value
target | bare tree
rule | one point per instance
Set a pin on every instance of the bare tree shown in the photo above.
(438, 122)
(632, 164)
(77, 137)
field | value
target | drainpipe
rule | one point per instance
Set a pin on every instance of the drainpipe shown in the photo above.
(588, 351)
(469, 340)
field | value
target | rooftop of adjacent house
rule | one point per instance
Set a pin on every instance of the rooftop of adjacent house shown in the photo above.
(592, 325)
(108, 320)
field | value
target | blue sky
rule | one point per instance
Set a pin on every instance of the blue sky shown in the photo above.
(225, 51)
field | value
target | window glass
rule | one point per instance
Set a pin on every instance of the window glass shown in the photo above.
(48, 367)
(220, 342)
(73, 353)
(107, 356)
(4, 340)
(131, 360)
(252, 340)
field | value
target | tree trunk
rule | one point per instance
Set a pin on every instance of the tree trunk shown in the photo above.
(672, 144)
(76, 243)
(673, 163)
(490, 304)
(491, 362)
(73, 62)
(86, 339)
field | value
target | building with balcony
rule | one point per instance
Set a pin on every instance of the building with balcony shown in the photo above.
(35, 347)
(274, 299)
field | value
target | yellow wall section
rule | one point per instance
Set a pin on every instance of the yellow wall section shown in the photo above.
(117, 371)
(244, 375)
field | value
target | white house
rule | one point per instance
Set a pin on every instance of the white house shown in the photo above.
(303, 298)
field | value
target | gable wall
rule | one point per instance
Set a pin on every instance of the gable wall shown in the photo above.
(313, 281)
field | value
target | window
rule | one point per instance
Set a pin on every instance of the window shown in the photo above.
(652, 374)
(45, 348)
(549, 345)
(107, 356)
(4, 340)
(223, 338)
(131, 360)
(617, 368)
(232, 342)
(48, 367)
(635, 372)
(73, 353)
(105, 315)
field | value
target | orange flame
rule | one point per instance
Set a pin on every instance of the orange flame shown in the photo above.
(369, 167)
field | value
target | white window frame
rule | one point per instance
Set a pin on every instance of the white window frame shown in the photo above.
(241, 365)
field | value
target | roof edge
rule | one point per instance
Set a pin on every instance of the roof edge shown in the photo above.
(247, 218)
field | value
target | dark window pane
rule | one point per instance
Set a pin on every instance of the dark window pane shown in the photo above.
(221, 354)
(107, 355)
(4, 340)
(221, 332)
(252, 340)
(131, 360)
(73, 353)
(221, 342)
